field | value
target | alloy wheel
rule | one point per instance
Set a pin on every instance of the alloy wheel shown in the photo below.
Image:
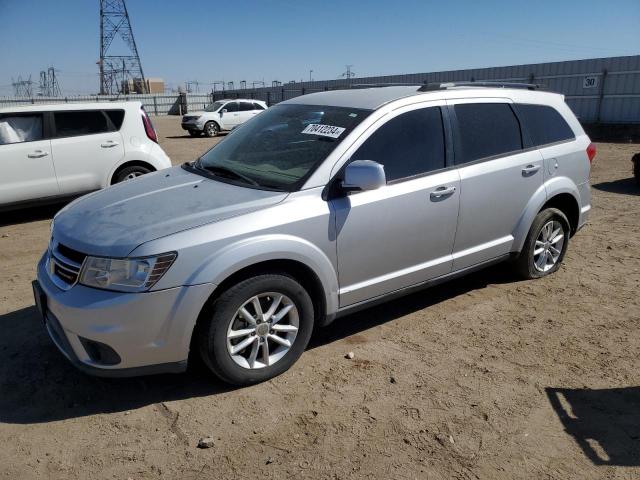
(548, 247)
(262, 330)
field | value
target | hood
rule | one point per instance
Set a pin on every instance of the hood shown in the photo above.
(114, 221)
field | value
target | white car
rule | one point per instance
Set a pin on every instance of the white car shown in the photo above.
(222, 115)
(52, 151)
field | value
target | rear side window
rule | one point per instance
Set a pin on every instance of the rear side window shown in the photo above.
(485, 130)
(544, 124)
(73, 124)
(257, 106)
(409, 144)
(246, 106)
(20, 128)
(116, 117)
(231, 107)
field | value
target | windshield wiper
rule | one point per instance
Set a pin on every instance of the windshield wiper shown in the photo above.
(226, 172)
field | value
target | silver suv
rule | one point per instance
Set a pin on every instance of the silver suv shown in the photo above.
(319, 206)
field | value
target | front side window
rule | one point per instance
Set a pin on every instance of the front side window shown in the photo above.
(410, 144)
(20, 128)
(279, 148)
(213, 107)
(486, 130)
(231, 107)
(544, 124)
(86, 122)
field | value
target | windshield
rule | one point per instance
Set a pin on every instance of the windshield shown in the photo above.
(282, 146)
(213, 107)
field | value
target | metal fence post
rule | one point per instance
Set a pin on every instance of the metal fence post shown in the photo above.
(268, 98)
(601, 95)
(282, 95)
(155, 104)
(303, 90)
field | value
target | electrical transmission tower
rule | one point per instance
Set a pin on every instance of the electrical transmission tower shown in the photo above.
(22, 88)
(49, 86)
(348, 74)
(120, 67)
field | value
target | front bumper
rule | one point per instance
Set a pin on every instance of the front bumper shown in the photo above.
(150, 332)
(192, 126)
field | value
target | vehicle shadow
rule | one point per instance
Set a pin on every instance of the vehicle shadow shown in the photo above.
(605, 423)
(39, 385)
(624, 186)
(31, 214)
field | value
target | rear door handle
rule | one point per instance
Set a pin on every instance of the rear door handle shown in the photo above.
(109, 144)
(38, 154)
(530, 169)
(442, 192)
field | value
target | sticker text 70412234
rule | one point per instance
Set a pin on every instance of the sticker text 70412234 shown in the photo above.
(323, 130)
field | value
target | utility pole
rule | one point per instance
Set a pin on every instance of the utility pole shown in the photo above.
(348, 74)
(123, 64)
(310, 72)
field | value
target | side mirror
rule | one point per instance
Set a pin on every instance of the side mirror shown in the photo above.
(224, 110)
(363, 175)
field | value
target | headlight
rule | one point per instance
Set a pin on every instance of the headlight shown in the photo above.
(125, 274)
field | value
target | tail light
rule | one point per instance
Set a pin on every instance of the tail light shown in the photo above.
(591, 152)
(148, 126)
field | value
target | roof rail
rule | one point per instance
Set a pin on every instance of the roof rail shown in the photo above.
(429, 87)
(383, 84)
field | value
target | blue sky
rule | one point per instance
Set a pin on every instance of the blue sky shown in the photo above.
(284, 39)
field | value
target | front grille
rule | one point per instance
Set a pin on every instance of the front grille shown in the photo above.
(65, 265)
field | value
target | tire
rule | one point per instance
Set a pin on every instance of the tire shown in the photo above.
(129, 173)
(247, 366)
(211, 129)
(194, 133)
(531, 265)
(636, 168)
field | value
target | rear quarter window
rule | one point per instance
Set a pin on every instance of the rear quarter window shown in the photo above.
(116, 117)
(544, 124)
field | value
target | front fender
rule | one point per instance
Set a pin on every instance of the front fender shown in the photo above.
(551, 188)
(223, 263)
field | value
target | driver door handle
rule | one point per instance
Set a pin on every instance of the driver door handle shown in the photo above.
(38, 154)
(442, 192)
(109, 144)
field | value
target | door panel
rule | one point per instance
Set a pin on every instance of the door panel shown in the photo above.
(494, 195)
(231, 117)
(26, 172)
(84, 163)
(396, 236)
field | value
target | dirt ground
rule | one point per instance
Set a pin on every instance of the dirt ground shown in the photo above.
(485, 377)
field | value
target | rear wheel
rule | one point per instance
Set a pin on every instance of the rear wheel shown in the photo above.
(211, 129)
(545, 245)
(129, 173)
(257, 329)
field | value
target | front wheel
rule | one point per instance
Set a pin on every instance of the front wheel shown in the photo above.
(211, 129)
(545, 245)
(256, 329)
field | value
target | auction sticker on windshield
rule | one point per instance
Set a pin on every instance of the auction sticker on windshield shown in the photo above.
(324, 130)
